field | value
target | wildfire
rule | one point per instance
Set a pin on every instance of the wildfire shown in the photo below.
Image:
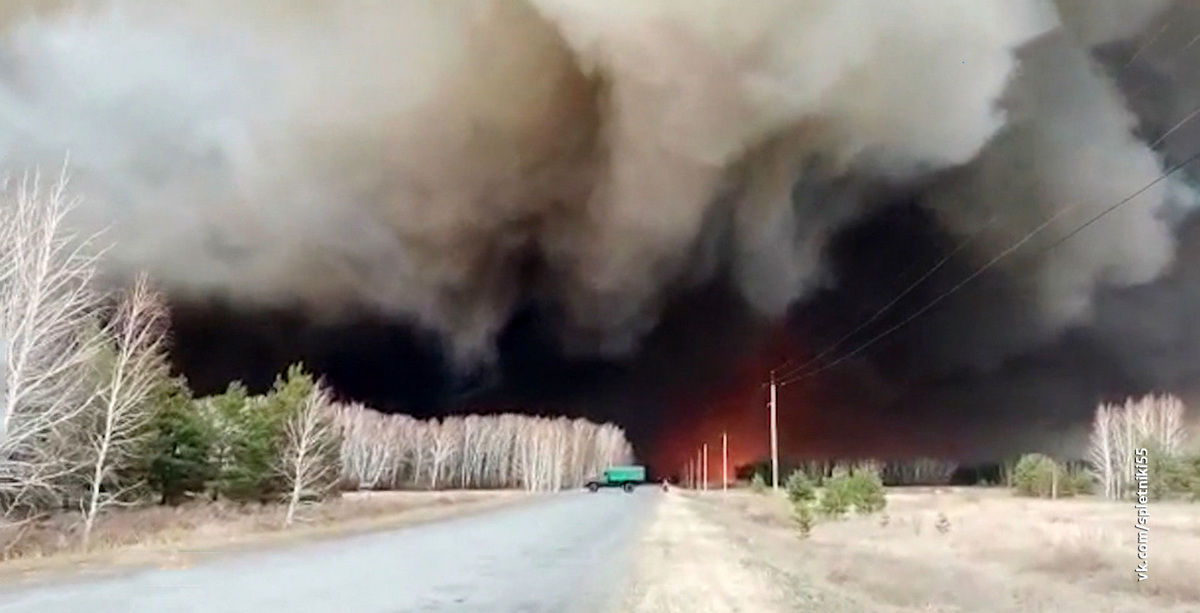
(735, 407)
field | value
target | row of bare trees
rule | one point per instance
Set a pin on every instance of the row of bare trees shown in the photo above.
(476, 451)
(1153, 422)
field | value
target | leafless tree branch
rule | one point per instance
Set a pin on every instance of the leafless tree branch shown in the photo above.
(129, 368)
(309, 463)
(48, 339)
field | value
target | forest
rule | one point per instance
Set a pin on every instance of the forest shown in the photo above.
(93, 419)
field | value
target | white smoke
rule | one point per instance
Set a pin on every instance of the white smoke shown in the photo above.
(1068, 151)
(445, 161)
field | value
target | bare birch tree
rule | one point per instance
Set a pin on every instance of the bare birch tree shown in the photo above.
(471, 465)
(48, 339)
(131, 367)
(371, 455)
(1105, 465)
(1159, 421)
(442, 449)
(1151, 421)
(309, 462)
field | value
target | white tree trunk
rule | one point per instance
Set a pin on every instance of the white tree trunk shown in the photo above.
(307, 464)
(137, 350)
(49, 338)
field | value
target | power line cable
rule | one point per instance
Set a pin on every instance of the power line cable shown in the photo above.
(891, 303)
(791, 372)
(996, 259)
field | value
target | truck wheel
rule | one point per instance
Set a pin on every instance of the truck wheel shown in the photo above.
(593, 487)
(628, 487)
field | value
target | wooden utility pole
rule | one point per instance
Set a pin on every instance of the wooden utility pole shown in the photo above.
(724, 461)
(705, 452)
(774, 439)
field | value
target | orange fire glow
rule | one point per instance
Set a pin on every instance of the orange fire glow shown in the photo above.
(735, 407)
(812, 422)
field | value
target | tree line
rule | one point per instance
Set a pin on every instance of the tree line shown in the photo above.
(92, 418)
(1149, 431)
(1147, 437)
(475, 451)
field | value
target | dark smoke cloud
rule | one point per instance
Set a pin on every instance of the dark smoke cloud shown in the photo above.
(442, 161)
(593, 167)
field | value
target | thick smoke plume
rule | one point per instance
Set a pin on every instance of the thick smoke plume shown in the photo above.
(449, 162)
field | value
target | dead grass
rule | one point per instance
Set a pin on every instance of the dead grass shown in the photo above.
(685, 565)
(994, 552)
(157, 534)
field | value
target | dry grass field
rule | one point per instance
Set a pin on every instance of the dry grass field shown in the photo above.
(968, 549)
(164, 535)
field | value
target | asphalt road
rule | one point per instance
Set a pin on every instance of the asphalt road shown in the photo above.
(568, 554)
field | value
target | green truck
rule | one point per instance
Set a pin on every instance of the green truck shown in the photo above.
(624, 477)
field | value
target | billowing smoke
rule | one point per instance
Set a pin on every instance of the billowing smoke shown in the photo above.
(448, 163)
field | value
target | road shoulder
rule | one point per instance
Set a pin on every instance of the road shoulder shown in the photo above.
(687, 563)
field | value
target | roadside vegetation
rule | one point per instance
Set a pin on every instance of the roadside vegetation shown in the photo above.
(92, 421)
(1152, 427)
(1037, 532)
(954, 548)
(1040, 532)
(856, 489)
